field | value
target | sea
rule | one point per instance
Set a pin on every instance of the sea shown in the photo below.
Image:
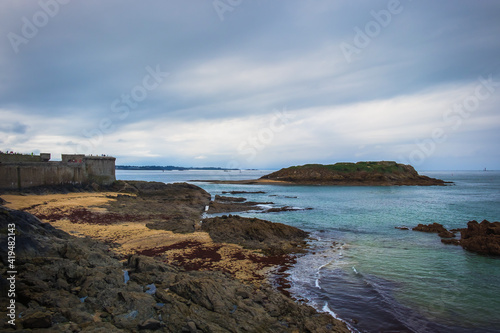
(363, 270)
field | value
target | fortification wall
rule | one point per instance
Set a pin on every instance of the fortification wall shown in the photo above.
(100, 170)
(25, 175)
(72, 171)
(18, 158)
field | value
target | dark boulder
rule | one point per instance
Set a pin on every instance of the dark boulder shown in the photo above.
(482, 238)
(37, 320)
(450, 241)
(253, 233)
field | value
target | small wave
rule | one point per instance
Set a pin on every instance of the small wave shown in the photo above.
(317, 284)
(355, 271)
(265, 206)
(328, 310)
(323, 266)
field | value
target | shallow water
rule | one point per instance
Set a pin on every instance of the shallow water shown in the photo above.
(373, 276)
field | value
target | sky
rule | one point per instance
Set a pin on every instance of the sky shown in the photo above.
(253, 84)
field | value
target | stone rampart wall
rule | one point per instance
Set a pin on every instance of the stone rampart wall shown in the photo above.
(100, 170)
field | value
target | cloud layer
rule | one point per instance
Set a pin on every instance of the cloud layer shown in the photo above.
(253, 83)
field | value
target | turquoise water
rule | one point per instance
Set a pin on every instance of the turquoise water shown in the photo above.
(365, 271)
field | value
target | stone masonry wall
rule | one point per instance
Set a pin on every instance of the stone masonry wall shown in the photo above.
(100, 170)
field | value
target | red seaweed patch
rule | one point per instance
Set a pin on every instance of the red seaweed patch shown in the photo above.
(162, 249)
(83, 215)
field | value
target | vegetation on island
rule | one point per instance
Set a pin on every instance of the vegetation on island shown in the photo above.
(358, 174)
(346, 167)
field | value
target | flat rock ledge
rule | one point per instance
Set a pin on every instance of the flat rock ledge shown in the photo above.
(252, 233)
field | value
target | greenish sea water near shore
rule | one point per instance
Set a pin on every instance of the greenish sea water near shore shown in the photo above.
(367, 272)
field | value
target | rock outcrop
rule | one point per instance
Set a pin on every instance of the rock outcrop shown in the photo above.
(68, 284)
(223, 204)
(435, 228)
(358, 174)
(482, 238)
(173, 207)
(253, 233)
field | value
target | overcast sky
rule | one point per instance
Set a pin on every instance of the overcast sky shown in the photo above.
(253, 83)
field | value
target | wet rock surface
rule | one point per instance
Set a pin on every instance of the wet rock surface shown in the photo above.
(435, 228)
(224, 204)
(482, 238)
(285, 209)
(243, 192)
(69, 284)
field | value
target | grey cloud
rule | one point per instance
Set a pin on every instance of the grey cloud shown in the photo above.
(15, 127)
(92, 53)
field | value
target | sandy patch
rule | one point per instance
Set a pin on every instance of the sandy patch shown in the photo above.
(61, 201)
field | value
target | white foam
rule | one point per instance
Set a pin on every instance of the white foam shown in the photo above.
(328, 310)
(265, 206)
(354, 269)
(317, 284)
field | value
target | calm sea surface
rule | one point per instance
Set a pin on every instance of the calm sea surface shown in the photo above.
(365, 271)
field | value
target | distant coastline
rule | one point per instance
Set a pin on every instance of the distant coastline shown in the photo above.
(170, 168)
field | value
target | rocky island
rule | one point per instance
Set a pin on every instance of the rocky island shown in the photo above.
(383, 173)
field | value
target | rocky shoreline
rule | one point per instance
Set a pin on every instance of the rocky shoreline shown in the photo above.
(137, 258)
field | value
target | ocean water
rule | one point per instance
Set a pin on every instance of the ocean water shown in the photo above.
(366, 272)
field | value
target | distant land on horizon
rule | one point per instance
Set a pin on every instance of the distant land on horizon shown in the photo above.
(168, 168)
